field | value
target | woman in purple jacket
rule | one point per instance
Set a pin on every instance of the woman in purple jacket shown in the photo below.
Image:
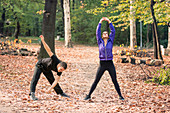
(105, 44)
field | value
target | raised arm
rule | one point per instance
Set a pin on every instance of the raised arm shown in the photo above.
(98, 31)
(112, 33)
(46, 46)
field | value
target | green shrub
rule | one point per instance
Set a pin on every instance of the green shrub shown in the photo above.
(163, 77)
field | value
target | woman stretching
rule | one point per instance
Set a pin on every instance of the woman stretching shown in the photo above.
(105, 44)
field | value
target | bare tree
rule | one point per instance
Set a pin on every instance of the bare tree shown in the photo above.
(67, 24)
(132, 27)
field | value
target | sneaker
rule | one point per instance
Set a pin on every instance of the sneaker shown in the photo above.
(121, 98)
(64, 95)
(32, 96)
(87, 97)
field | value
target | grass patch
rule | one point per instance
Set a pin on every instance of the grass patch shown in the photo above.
(162, 77)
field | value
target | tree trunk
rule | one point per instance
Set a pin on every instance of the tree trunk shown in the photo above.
(140, 34)
(132, 27)
(48, 27)
(68, 42)
(2, 21)
(168, 37)
(73, 7)
(28, 33)
(148, 28)
(62, 16)
(154, 43)
(155, 34)
(17, 30)
(36, 26)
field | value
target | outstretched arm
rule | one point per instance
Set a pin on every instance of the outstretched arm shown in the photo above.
(46, 46)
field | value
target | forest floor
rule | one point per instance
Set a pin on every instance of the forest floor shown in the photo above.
(16, 73)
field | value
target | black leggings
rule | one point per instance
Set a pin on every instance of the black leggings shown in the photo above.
(109, 66)
(48, 75)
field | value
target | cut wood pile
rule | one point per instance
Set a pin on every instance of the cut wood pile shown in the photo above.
(135, 53)
(8, 47)
(138, 57)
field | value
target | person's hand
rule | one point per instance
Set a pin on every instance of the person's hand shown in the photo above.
(42, 37)
(106, 19)
(101, 20)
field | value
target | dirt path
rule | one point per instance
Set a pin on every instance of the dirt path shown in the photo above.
(16, 74)
(4, 108)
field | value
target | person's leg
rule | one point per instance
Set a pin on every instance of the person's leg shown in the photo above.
(112, 72)
(99, 74)
(50, 78)
(34, 81)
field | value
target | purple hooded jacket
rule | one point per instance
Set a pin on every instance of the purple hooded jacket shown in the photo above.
(105, 53)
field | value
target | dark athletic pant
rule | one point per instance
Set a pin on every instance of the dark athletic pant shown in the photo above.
(109, 66)
(48, 75)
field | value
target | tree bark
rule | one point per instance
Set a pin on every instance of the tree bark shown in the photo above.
(67, 23)
(132, 27)
(157, 52)
(48, 27)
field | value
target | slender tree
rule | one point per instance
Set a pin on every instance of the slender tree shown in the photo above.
(67, 24)
(168, 37)
(62, 9)
(168, 29)
(148, 29)
(132, 26)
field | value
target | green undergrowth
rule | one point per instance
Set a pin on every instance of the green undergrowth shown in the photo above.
(162, 77)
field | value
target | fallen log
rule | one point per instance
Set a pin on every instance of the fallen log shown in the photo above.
(140, 61)
(154, 62)
(132, 60)
(158, 62)
(122, 60)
